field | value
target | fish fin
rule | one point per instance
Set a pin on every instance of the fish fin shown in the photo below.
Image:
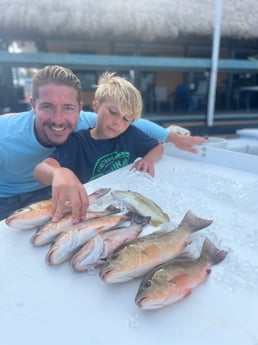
(181, 279)
(187, 293)
(151, 250)
(98, 193)
(183, 257)
(212, 253)
(208, 271)
(193, 222)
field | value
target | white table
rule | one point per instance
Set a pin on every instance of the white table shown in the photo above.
(43, 305)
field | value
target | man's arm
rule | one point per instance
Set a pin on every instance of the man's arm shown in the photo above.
(185, 142)
(178, 138)
(65, 186)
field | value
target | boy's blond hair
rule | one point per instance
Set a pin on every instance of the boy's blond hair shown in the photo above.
(127, 97)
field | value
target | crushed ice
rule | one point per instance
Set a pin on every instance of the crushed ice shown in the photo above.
(232, 205)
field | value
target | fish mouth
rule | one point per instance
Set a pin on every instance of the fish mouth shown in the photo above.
(111, 275)
(140, 302)
(104, 273)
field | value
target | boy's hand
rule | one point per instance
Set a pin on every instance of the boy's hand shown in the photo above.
(144, 165)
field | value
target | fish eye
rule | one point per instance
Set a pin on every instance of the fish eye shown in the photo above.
(114, 256)
(147, 284)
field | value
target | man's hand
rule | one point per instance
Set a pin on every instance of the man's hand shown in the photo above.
(67, 193)
(186, 142)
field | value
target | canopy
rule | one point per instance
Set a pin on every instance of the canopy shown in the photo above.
(129, 20)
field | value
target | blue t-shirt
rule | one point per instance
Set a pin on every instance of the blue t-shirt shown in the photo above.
(89, 158)
(20, 151)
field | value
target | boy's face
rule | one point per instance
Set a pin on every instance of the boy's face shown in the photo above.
(110, 122)
(57, 111)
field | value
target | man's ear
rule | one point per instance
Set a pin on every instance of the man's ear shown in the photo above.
(95, 105)
(32, 104)
(81, 106)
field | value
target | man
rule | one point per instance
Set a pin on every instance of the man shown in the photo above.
(113, 143)
(28, 138)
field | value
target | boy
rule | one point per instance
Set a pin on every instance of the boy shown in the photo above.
(112, 144)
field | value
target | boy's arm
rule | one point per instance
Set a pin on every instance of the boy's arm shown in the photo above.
(146, 164)
(65, 186)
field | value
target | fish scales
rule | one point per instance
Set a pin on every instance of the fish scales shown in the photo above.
(31, 216)
(173, 281)
(39, 213)
(95, 251)
(137, 257)
(49, 231)
(77, 235)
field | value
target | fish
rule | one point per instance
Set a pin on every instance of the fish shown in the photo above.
(175, 280)
(31, 216)
(68, 242)
(49, 231)
(136, 202)
(135, 258)
(39, 213)
(96, 250)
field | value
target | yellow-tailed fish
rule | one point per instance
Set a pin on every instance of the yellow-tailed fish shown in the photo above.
(175, 280)
(136, 202)
(38, 213)
(49, 231)
(137, 257)
(68, 242)
(96, 250)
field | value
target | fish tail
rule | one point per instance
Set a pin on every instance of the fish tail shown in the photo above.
(191, 221)
(99, 193)
(212, 253)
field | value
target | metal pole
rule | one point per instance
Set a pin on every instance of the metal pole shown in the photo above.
(214, 63)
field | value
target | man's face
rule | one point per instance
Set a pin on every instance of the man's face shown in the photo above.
(57, 111)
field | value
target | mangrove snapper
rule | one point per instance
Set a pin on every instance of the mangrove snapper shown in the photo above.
(175, 280)
(137, 257)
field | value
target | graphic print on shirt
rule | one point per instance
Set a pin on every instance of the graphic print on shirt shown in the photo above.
(110, 162)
